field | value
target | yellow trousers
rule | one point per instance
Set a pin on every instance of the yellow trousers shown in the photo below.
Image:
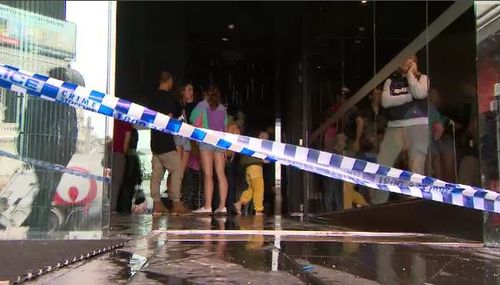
(351, 197)
(255, 179)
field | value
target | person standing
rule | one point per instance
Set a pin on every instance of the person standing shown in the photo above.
(375, 122)
(442, 146)
(254, 176)
(132, 177)
(165, 156)
(122, 134)
(211, 114)
(405, 98)
(232, 163)
(188, 103)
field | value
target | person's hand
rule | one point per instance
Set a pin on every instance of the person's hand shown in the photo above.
(198, 122)
(140, 209)
(413, 68)
(437, 131)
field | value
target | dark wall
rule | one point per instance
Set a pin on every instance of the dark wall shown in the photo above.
(148, 40)
(185, 38)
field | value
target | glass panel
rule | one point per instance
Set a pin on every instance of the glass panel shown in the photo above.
(39, 201)
(488, 79)
(349, 54)
(434, 134)
(454, 154)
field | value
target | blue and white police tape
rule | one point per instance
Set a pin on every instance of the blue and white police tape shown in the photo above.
(348, 169)
(55, 167)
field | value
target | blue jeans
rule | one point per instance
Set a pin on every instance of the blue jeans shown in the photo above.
(333, 196)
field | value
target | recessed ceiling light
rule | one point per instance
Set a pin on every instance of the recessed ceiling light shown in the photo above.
(363, 2)
(224, 39)
(230, 26)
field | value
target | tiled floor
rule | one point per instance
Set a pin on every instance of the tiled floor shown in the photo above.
(258, 250)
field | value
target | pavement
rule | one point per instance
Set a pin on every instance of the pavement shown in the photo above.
(275, 250)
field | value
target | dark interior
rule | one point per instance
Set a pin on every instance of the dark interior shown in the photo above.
(252, 61)
(288, 61)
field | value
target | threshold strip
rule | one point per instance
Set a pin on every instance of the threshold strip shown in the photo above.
(292, 233)
(333, 234)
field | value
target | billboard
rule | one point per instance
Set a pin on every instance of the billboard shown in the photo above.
(37, 34)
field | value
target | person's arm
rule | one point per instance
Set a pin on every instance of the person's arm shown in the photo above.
(391, 101)
(419, 88)
(360, 126)
(225, 120)
(126, 141)
(196, 118)
(437, 130)
(195, 114)
(179, 110)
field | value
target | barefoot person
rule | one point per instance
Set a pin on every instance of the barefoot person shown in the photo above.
(211, 114)
(255, 180)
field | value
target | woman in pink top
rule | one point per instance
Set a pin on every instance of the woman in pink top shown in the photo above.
(211, 114)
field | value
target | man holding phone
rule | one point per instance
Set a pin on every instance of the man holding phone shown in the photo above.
(404, 96)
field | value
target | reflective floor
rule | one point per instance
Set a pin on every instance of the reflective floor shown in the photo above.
(268, 250)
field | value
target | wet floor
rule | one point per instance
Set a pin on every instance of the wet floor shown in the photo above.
(268, 250)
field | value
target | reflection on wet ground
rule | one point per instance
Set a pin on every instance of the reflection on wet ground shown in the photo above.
(268, 250)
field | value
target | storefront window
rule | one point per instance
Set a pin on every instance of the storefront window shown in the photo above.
(488, 87)
(436, 136)
(37, 201)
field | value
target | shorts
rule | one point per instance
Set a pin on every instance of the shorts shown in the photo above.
(209, 147)
(183, 142)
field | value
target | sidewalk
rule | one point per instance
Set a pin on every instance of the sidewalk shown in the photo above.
(258, 250)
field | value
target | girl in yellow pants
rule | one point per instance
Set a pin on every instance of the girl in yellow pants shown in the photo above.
(255, 190)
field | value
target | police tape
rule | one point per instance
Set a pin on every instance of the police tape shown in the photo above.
(332, 165)
(55, 167)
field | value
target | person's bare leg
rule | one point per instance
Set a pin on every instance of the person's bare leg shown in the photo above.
(180, 150)
(220, 162)
(207, 162)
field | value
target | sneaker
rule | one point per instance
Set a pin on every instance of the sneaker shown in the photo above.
(221, 211)
(203, 210)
